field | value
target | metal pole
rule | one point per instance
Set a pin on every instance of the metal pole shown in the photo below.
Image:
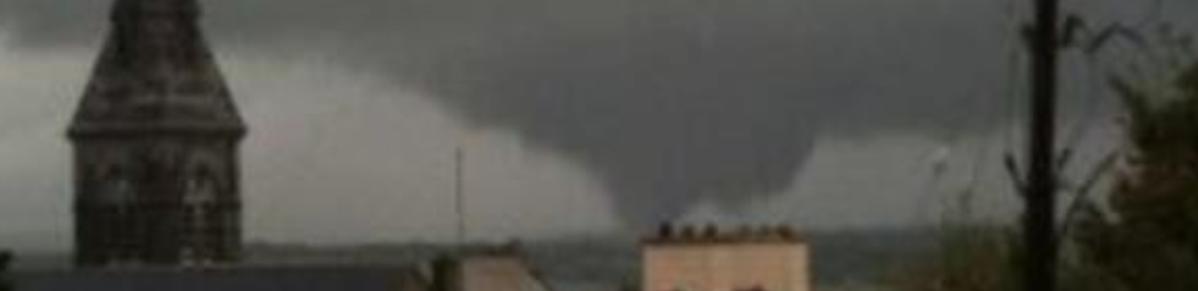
(1039, 234)
(459, 203)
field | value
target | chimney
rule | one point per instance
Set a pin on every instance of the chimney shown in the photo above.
(665, 231)
(688, 232)
(785, 232)
(711, 232)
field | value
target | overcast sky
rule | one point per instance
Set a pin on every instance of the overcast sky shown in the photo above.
(576, 116)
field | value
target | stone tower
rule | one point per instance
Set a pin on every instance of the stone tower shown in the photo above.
(155, 144)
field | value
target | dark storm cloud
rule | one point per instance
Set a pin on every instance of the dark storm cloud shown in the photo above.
(669, 102)
(678, 102)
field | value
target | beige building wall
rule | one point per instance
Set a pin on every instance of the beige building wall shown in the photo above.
(498, 273)
(726, 266)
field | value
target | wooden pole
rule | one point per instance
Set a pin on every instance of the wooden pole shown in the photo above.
(1039, 233)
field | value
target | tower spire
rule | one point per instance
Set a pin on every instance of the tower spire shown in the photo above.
(130, 9)
(155, 138)
(155, 73)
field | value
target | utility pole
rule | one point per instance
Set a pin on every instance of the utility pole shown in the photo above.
(1039, 232)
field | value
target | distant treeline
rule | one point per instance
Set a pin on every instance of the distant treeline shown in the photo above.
(839, 257)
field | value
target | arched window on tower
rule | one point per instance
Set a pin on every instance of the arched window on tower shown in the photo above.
(199, 198)
(117, 187)
(201, 188)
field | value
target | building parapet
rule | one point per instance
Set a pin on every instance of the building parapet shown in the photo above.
(668, 233)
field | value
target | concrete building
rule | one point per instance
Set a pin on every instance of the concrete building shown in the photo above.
(690, 259)
(155, 142)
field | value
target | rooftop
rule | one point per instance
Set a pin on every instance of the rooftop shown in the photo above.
(712, 234)
(297, 278)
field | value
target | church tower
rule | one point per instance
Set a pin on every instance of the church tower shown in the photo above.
(155, 141)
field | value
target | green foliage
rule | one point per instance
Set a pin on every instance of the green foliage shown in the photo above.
(1146, 238)
(5, 258)
(971, 255)
(970, 258)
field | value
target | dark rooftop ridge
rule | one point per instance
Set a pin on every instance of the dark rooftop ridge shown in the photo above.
(711, 234)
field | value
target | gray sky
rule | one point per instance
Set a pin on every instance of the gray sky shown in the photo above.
(577, 116)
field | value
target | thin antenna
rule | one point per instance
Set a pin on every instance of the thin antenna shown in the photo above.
(459, 203)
